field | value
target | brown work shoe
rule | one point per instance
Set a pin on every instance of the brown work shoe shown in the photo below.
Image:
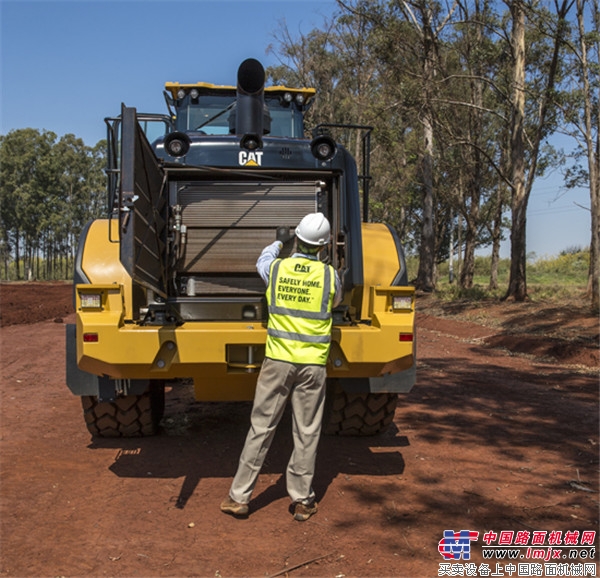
(303, 512)
(230, 506)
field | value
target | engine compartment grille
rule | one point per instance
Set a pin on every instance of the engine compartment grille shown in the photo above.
(228, 224)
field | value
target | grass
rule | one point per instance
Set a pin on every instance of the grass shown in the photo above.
(548, 279)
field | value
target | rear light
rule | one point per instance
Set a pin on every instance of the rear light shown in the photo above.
(400, 302)
(405, 337)
(90, 338)
(90, 300)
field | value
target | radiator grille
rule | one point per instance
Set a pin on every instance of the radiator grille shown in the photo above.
(228, 224)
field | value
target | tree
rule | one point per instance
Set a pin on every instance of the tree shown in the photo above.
(521, 179)
(309, 60)
(581, 115)
(50, 190)
(25, 155)
(517, 283)
(473, 125)
(80, 180)
(427, 22)
(592, 147)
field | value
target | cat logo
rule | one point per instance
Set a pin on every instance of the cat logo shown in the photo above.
(302, 268)
(250, 159)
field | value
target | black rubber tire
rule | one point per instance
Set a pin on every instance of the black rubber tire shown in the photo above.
(357, 414)
(127, 416)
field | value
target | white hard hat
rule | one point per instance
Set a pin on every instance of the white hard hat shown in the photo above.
(314, 229)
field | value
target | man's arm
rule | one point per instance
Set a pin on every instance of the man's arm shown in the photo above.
(268, 255)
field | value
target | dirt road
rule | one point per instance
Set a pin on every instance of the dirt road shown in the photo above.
(489, 440)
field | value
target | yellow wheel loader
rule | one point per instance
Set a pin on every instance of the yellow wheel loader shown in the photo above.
(166, 289)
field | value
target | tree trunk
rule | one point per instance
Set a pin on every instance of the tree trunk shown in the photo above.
(451, 251)
(472, 219)
(468, 267)
(593, 153)
(496, 238)
(473, 154)
(426, 275)
(17, 255)
(517, 286)
(594, 272)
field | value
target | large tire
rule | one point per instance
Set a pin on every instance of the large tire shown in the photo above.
(357, 414)
(127, 416)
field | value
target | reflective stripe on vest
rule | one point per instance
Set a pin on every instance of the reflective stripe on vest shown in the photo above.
(300, 296)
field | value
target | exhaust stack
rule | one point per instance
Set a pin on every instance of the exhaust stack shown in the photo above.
(252, 120)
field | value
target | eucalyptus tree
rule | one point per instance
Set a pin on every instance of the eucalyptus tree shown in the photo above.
(25, 174)
(309, 60)
(438, 121)
(428, 21)
(462, 99)
(339, 62)
(49, 191)
(81, 183)
(471, 124)
(392, 108)
(408, 38)
(581, 114)
(539, 118)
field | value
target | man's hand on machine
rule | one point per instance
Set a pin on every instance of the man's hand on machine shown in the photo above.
(283, 234)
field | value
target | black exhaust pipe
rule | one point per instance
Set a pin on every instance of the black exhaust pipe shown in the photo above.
(252, 120)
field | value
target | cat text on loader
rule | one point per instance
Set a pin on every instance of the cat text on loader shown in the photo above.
(166, 289)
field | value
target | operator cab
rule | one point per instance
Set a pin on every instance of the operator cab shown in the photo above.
(209, 109)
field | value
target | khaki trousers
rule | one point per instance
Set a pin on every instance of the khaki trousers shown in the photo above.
(304, 385)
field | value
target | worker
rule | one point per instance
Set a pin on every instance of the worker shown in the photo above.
(301, 293)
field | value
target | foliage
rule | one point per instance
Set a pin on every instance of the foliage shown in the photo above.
(50, 189)
(437, 83)
(550, 278)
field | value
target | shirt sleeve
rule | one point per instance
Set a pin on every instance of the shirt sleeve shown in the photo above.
(268, 255)
(338, 295)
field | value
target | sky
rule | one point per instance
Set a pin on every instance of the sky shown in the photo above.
(65, 65)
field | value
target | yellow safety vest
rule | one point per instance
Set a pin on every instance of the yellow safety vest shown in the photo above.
(300, 297)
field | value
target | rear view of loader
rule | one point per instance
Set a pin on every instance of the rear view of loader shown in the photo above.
(166, 288)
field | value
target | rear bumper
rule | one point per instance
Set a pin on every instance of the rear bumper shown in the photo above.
(224, 358)
(173, 351)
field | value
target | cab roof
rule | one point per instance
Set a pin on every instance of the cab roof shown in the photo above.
(206, 88)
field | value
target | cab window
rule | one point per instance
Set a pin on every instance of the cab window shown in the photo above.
(209, 114)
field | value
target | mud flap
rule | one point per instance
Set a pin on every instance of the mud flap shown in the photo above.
(79, 382)
(401, 382)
